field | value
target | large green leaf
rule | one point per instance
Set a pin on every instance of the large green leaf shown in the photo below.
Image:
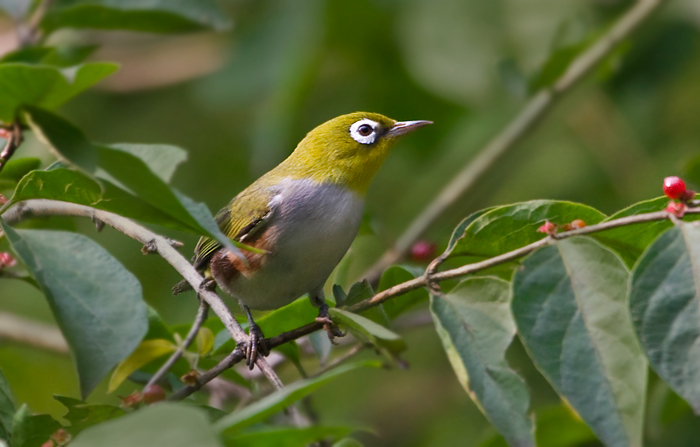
(476, 328)
(45, 86)
(267, 406)
(569, 303)
(32, 430)
(164, 424)
(97, 302)
(367, 329)
(7, 408)
(665, 304)
(158, 16)
(506, 228)
(286, 437)
(630, 241)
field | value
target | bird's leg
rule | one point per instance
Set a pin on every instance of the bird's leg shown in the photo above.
(324, 317)
(257, 344)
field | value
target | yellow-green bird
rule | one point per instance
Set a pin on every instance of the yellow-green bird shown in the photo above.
(304, 214)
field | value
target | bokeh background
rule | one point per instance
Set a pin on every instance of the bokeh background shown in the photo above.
(240, 100)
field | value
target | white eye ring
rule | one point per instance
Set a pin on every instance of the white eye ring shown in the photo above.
(359, 131)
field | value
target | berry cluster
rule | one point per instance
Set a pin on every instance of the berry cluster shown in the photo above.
(674, 188)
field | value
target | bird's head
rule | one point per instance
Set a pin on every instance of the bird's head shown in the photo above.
(349, 149)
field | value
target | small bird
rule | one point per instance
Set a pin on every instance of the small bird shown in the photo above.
(304, 214)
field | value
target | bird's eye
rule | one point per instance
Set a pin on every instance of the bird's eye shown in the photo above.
(364, 131)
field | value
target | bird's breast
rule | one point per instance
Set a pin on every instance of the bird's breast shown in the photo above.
(311, 227)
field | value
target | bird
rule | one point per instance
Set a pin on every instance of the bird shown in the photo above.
(302, 217)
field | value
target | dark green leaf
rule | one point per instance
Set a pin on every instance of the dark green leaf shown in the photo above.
(267, 406)
(569, 303)
(157, 327)
(665, 304)
(476, 328)
(506, 228)
(82, 415)
(361, 291)
(460, 230)
(97, 302)
(45, 86)
(32, 430)
(7, 407)
(630, 241)
(15, 169)
(164, 424)
(398, 274)
(65, 140)
(157, 16)
(286, 437)
(29, 55)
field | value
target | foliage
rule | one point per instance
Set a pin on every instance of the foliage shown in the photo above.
(554, 345)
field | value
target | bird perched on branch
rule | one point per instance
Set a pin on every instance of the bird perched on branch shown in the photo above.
(303, 214)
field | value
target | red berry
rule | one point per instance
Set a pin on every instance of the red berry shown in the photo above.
(678, 209)
(547, 228)
(6, 260)
(674, 187)
(578, 223)
(3, 200)
(48, 443)
(422, 251)
(153, 393)
(4, 133)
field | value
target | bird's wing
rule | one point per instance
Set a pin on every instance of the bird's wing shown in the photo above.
(240, 220)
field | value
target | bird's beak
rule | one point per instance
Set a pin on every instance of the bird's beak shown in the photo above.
(404, 127)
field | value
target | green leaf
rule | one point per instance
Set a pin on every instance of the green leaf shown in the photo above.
(32, 430)
(15, 169)
(507, 228)
(28, 55)
(97, 302)
(82, 415)
(476, 328)
(630, 241)
(269, 405)
(460, 230)
(157, 16)
(45, 86)
(146, 352)
(398, 274)
(361, 291)
(375, 333)
(569, 304)
(164, 424)
(65, 140)
(7, 407)
(665, 305)
(157, 327)
(286, 437)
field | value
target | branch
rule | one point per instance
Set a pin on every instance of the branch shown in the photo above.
(199, 320)
(154, 243)
(13, 134)
(33, 333)
(534, 111)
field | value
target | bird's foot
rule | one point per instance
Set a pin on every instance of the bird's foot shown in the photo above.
(208, 283)
(256, 342)
(331, 329)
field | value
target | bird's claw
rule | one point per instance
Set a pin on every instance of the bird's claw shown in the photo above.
(208, 283)
(256, 345)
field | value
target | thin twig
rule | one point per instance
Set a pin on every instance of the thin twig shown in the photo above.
(43, 207)
(523, 124)
(199, 320)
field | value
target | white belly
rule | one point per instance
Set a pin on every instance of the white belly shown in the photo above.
(314, 225)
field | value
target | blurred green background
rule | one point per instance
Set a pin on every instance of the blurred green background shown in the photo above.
(239, 101)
